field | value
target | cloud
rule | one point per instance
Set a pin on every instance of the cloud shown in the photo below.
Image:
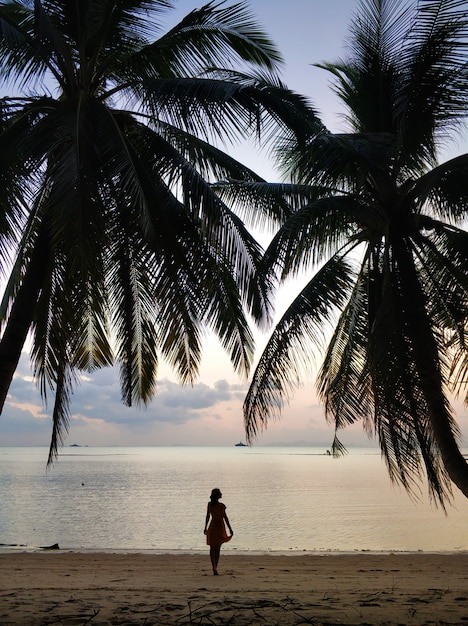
(96, 402)
(100, 398)
(202, 414)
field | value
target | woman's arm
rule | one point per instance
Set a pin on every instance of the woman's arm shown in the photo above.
(228, 524)
(207, 519)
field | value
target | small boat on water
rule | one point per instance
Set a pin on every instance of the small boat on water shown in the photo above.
(241, 445)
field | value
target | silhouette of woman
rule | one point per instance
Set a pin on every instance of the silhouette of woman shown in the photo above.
(215, 532)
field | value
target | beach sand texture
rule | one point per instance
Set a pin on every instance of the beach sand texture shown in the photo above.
(330, 588)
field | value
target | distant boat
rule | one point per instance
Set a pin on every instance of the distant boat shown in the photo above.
(241, 445)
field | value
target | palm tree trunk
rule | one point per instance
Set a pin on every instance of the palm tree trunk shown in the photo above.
(20, 319)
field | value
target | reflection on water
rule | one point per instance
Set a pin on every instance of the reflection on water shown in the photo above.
(277, 499)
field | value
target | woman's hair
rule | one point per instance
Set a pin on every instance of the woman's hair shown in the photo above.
(215, 495)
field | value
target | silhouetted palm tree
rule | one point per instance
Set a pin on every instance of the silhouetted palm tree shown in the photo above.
(382, 223)
(115, 247)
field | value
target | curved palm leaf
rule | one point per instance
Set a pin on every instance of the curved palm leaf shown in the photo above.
(287, 355)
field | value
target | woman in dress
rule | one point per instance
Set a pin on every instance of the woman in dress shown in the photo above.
(215, 527)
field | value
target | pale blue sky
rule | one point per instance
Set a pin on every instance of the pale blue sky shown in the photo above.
(306, 32)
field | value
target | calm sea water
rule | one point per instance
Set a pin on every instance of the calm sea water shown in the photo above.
(278, 499)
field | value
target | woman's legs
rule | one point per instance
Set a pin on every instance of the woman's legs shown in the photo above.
(214, 556)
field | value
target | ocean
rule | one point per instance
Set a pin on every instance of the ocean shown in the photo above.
(279, 499)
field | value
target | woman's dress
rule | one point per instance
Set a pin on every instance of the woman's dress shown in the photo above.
(216, 533)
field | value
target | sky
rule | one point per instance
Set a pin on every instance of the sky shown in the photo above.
(210, 412)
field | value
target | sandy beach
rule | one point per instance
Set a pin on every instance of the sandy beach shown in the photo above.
(100, 588)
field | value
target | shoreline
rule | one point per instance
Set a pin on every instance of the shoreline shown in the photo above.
(356, 588)
(227, 551)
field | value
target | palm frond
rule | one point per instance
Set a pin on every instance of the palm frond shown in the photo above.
(263, 205)
(442, 190)
(214, 35)
(343, 381)
(215, 109)
(61, 412)
(432, 90)
(338, 161)
(212, 163)
(17, 46)
(228, 238)
(366, 83)
(443, 258)
(318, 229)
(291, 348)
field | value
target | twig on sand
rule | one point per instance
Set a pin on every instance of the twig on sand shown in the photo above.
(62, 619)
(96, 612)
(213, 613)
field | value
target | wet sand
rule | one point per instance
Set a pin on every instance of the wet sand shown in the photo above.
(55, 587)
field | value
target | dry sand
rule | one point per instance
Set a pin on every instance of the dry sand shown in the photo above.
(362, 588)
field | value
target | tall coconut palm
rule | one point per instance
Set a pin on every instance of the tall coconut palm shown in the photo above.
(382, 224)
(115, 248)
